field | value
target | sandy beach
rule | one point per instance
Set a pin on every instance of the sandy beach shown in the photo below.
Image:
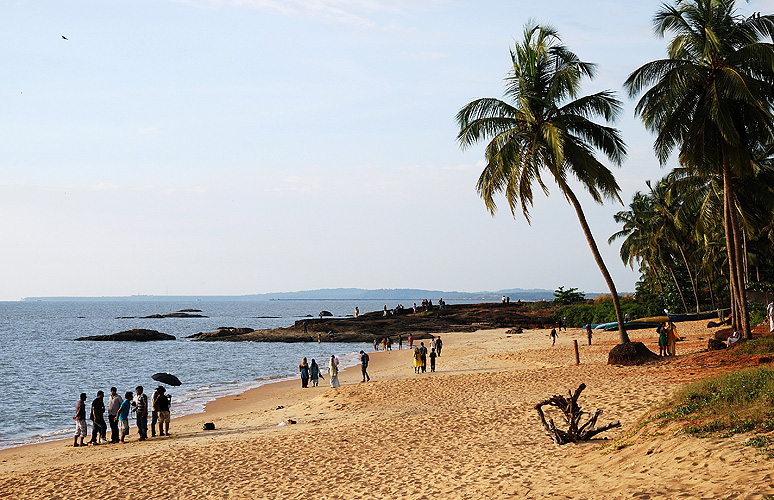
(467, 431)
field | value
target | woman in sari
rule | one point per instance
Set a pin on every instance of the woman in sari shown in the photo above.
(417, 360)
(333, 372)
(314, 373)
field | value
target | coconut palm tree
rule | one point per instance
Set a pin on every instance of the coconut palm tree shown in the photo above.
(546, 131)
(711, 99)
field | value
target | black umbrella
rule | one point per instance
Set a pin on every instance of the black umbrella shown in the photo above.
(166, 378)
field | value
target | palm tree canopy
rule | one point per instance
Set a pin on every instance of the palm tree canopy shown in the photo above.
(712, 96)
(543, 126)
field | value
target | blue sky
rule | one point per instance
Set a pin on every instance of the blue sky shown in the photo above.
(249, 146)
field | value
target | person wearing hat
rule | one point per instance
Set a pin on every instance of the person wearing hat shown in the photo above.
(161, 404)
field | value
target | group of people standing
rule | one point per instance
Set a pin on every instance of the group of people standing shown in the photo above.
(421, 355)
(312, 372)
(118, 415)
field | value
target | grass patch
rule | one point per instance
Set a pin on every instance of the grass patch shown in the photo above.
(734, 403)
(756, 347)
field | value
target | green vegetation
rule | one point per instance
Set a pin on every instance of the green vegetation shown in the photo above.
(711, 101)
(600, 312)
(569, 296)
(734, 403)
(545, 130)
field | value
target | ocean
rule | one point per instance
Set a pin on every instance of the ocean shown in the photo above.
(43, 369)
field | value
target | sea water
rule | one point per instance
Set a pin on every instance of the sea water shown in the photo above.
(43, 369)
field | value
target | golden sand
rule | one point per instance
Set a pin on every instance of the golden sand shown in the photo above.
(468, 431)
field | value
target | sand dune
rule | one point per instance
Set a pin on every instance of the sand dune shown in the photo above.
(468, 431)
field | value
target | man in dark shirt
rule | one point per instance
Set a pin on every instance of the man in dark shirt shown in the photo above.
(141, 410)
(364, 365)
(99, 429)
(423, 356)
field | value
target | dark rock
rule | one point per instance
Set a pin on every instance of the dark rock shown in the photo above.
(715, 345)
(222, 332)
(630, 353)
(764, 360)
(190, 310)
(325, 313)
(174, 315)
(136, 335)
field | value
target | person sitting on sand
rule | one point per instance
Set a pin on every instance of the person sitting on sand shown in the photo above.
(333, 372)
(734, 338)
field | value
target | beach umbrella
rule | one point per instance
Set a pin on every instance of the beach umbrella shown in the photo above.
(166, 378)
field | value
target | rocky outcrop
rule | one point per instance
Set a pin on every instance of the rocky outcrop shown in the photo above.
(136, 335)
(400, 321)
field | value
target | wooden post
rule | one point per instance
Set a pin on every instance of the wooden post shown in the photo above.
(577, 356)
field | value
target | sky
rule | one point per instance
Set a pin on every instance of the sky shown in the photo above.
(229, 147)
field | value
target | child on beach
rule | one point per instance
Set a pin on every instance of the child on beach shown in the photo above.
(123, 415)
(432, 359)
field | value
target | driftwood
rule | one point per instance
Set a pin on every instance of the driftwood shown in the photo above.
(572, 415)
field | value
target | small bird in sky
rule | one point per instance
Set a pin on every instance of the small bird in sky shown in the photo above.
(64, 38)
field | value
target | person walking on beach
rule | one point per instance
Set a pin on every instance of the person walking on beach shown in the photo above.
(304, 369)
(123, 415)
(113, 405)
(423, 356)
(305, 327)
(81, 429)
(314, 373)
(99, 428)
(162, 402)
(411, 341)
(384, 343)
(553, 336)
(364, 366)
(400, 342)
(333, 372)
(432, 360)
(357, 312)
(141, 413)
(438, 346)
(417, 360)
(376, 344)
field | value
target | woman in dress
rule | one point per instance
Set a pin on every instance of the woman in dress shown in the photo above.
(314, 373)
(662, 340)
(304, 369)
(333, 372)
(417, 360)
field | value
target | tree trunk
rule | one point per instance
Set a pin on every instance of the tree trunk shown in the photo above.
(674, 278)
(732, 282)
(622, 335)
(709, 285)
(741, 275)
(693, 283)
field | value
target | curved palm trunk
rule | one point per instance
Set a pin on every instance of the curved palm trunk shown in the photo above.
(622, 335)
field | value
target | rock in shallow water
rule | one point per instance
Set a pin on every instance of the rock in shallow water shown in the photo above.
(136, 335)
